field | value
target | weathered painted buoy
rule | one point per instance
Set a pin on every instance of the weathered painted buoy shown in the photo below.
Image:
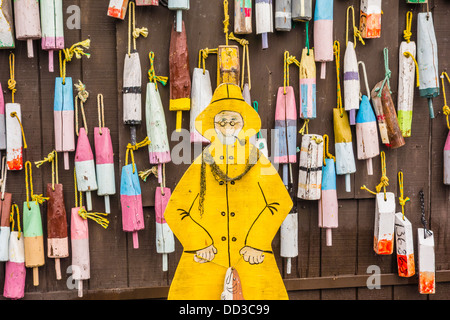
(283, 15)
(384, 223)
(2, 121)
(165, 241)
(285, 129)
(367, 142)
(6, 25)
(370, 19)
(307, 85)
(427, 267)
(179, 6)
(328, 203)
(147, 2)
(132, 91)
(351, 82)
(131, 202)
(345, 159)
(416, 1)
(323, 33)
(180, 79)
(406, 80)
(32, 230)
(15, 271)
(404, 246)
(229, 66)
(85, 167)
(117, 8)
(310, 167)
(52, 24)
(14, 138)
(201, 95)
(427, 59)
(104, 159)
(64, 115)
(27, 22)
(79, 238)
(264, 20)
(242, 16)
(57, 237)
(446, 160)
(302, 10)
(289, 238)
(5, 227)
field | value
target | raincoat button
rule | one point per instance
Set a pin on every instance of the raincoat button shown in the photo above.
(232, 214)
(233, 183)
(223, 213)
(233, 239)
(224, 238)
(221, 183)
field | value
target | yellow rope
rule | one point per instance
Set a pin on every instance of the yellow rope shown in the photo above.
(39, 199)
(82, 95)
(12, 82)
(134, 32)
(409, 55)
(75, 50)
(11, 219)
(288, 60)
(337, 54)
(101, 113)
(52, 158)
(445, 108)
(401, 199)
(131, 148)
(14, 115)
(152, 77)
(145, 174)
(245, 58)
(203, 55)
(407, 33)
(326, 153)
(226, 21)
(356, 32)
(304, 129)
(384, 182)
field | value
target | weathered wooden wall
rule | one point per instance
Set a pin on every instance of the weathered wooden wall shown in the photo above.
(320, 272)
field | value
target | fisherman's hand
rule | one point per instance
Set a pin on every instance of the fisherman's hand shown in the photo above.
(205, 255)
(251, 255)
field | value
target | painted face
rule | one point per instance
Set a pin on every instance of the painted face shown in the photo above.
(228, 124)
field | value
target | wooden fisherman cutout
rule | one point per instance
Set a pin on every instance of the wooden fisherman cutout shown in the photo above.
(220, 226)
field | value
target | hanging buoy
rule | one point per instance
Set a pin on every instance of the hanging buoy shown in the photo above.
(308, 85)
(427, 59)
(5, 211)
(406, 79)
(366, 129)
(2, 121)
(6, 26)
(79, 238)
(289, 238)
(242, 16)
(328, 203)
(264, 20)
(446, 111)
(117, 8)
(147, 2)
(427, 266)
(370, 20)
(165, 241)
(52, 22)
(28, 23)
(179, 6)
(323, 33)
(301, 10)
(283, 15)
(310, 167)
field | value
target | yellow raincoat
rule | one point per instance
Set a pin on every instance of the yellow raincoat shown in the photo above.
(230, 197)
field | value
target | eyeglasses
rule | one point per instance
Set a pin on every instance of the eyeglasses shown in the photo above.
(223, 123)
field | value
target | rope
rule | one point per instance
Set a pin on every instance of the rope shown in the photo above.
(101, 113)
(11, 219)
(307, 36)
(388, 73)
(95, 216)
(337, 54)
(366, 82)
(203, 55)
(12, 82)
(75, 50)
(384, 182)
(445, 108)
(131, 148)
(226, 21)
(39, 199)
(326, 153)
(245, 58)
(152, 75)
(14, 115)
(134, 32)
(356, 32)
(53, 159)
(409, 55)
(407, 33)
(145, 174)
(304, 129)
(288, 60)
(401, 199)
(82, 95)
